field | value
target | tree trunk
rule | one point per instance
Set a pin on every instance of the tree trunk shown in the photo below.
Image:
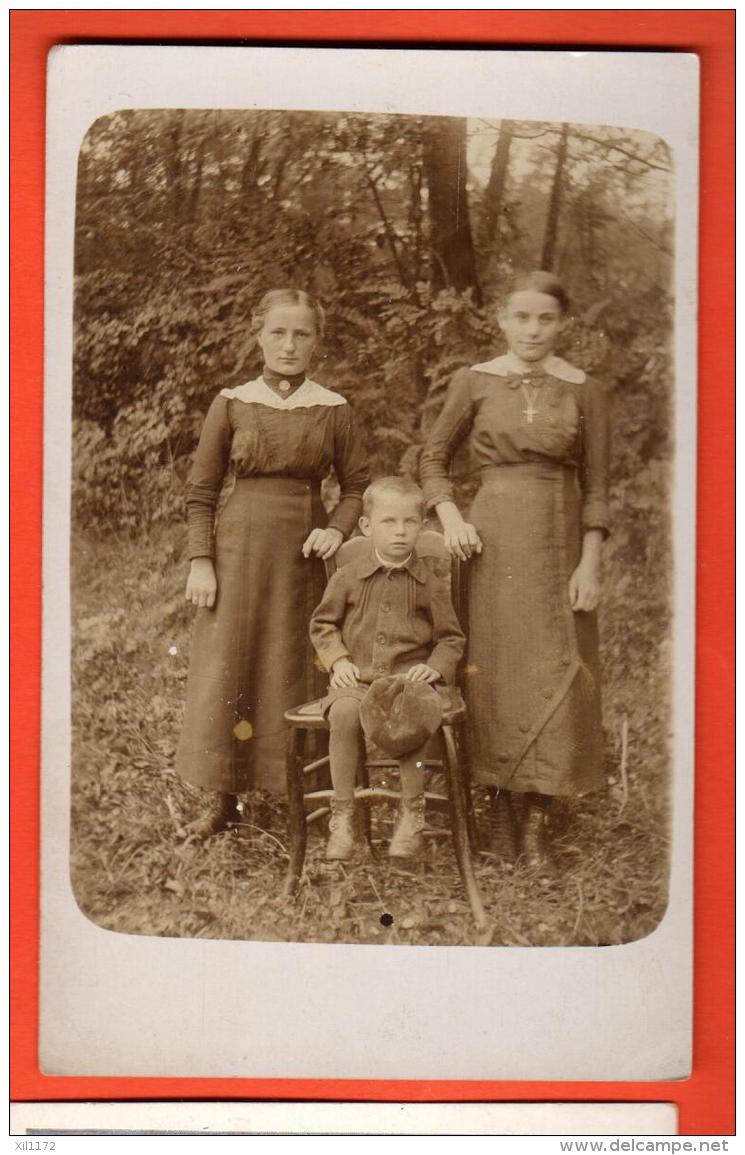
(497, 179)
(450, 227)
(548, 256)
(251, 170)
(174, 166)
(194, 193)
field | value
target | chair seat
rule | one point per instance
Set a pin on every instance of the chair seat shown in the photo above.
(310, 716)
(455, 710)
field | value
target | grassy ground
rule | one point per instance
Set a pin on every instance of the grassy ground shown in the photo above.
(130, 872)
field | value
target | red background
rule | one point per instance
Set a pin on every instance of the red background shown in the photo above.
(706, 1100)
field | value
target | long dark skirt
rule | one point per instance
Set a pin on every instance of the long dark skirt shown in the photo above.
(532, 674)
(250, 656)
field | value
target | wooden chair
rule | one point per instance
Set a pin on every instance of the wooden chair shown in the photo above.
(308, 718)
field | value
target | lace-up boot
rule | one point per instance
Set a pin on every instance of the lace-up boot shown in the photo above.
(407, 840)
(342, 840)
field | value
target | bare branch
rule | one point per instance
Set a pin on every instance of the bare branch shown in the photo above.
(614, 146)
(658, 244)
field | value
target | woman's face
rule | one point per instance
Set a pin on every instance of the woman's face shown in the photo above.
(288, 338)
(531, 322)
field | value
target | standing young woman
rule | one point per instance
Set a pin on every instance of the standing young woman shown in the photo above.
(257, 577)
(539, 433)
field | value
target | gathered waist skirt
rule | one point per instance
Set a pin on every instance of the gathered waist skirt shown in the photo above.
(250, 656)
(532, 675)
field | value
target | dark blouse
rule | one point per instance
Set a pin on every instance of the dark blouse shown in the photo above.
(252, 431)
(553, 412)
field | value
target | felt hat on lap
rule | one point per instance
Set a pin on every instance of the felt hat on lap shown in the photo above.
(399, 716)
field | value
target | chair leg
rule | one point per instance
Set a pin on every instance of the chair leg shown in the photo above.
(365, 781)
(459, 824)
(297, 830)
(473, 837)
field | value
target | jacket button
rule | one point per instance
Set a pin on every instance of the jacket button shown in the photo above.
(524, 727)
(385, 607)
(503, 758)
(547, 693)
(381, 639)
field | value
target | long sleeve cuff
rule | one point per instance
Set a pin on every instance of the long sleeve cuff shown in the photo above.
(201, 541)
(329, 652)
(445, 663)
(595, 515)
(201, 502)
(346, 515)
(439, 498)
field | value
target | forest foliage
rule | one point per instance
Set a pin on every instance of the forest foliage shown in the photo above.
(406, 228)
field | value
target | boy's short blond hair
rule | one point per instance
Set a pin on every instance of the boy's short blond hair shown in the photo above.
(402, 486)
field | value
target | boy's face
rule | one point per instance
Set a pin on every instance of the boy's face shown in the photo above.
(393, 525)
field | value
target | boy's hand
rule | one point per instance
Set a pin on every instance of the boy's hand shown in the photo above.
(344, 673)
(323, 543)
(423, 673)
(201, 586)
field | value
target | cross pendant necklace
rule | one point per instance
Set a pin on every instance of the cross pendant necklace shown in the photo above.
(531, 399)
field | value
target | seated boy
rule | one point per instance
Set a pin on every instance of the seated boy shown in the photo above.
(387, 613)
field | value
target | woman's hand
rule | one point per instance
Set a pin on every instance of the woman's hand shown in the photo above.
(584, 587)
(201, 585)
(584, 584)
(344, 673)
(461, 538)
(323, 543)
(423, 673)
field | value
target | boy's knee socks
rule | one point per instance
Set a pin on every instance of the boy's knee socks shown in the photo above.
(344, 745)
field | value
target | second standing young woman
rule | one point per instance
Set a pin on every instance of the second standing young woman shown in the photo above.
(538, 430)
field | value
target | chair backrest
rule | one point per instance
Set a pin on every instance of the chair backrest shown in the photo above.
(430, 543)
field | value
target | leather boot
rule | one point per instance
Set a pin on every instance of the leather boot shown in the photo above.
(407, 840)
(535, 831)
(218, 811)
(342, 840)
(503, 826)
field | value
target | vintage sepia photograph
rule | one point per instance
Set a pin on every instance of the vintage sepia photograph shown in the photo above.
(371, 528)
(370, 418)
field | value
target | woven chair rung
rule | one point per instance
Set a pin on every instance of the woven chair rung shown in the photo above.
(373, 792)
(392, 764)
(319, 762)
(316, 814)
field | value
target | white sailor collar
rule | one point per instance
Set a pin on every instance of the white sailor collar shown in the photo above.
(306, 396)
(508, 366)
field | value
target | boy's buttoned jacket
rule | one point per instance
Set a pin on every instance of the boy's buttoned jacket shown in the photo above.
(387, 620)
